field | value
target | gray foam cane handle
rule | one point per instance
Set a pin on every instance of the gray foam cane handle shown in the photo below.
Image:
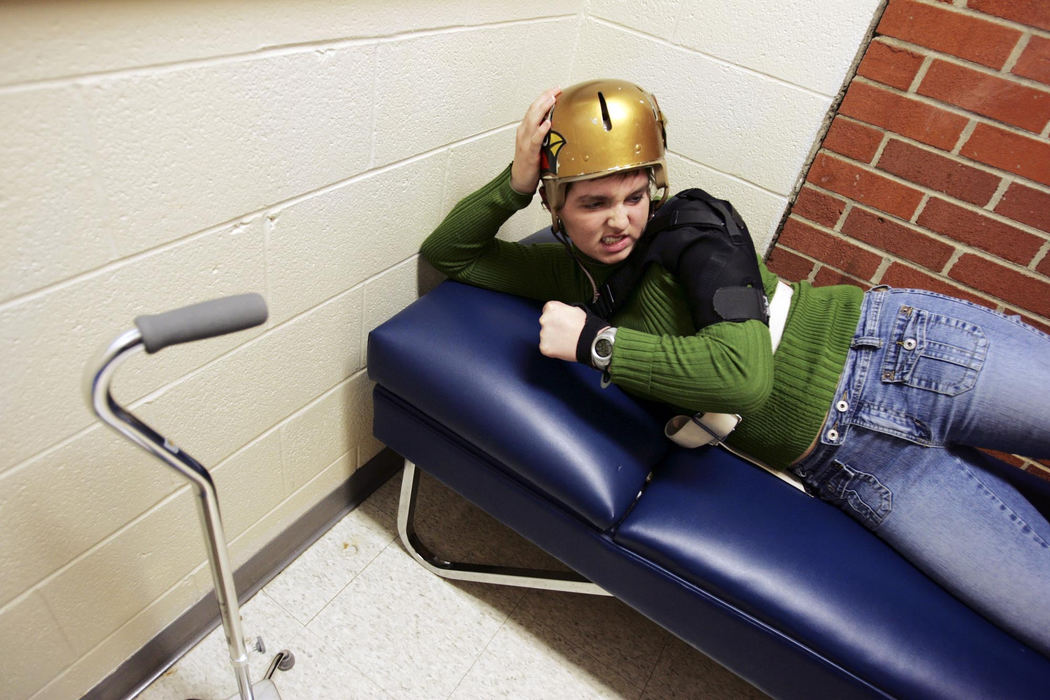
(204, 320)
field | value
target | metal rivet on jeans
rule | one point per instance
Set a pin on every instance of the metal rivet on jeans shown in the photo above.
(833, 435)
(909, 344)
(842, 406)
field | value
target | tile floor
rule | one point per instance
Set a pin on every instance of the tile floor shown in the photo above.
(365, 621)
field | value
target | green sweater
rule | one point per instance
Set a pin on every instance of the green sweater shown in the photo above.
(724, 367)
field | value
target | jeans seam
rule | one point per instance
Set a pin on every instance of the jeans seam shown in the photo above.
(860, 419)
(1015, 517)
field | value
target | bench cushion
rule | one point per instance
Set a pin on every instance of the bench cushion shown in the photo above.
(783, 589)
(468, 358)
(807, 569)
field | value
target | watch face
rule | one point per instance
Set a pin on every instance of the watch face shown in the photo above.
(603, 347)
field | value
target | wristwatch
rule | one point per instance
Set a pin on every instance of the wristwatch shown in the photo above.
(602, 347)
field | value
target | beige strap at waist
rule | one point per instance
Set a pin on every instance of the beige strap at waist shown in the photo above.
(714, 428)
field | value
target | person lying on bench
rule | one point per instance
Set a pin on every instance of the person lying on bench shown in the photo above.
(876, 400)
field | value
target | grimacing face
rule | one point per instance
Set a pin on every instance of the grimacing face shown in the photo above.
(605, 217)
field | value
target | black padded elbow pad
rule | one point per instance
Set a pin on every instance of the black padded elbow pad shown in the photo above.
(705, 244)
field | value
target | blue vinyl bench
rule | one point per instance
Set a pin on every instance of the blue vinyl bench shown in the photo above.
(780, 588)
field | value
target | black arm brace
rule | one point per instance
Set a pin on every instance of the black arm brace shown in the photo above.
(705, 244)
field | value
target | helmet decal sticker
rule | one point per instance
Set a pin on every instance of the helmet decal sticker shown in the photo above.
(552, 145)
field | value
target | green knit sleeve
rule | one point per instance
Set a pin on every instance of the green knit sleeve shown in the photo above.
(725, 367)
(464, 247)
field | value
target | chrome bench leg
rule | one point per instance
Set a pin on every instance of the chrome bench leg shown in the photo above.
(482, 573)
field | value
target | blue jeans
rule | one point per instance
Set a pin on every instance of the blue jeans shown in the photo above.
(929, 378)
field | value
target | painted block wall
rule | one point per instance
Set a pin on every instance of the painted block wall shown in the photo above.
(158, 154)
(935, 172)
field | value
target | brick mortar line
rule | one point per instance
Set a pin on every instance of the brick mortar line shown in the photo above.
(929, 191)
(964, 136)
(839, 235)
(888, 260)
(952, 260)
(965, 11)
(881, 148)
(1015, 55)
(1002, 74)
(989, 257)
(920, 73)
(1009, 308)
(884, 266)
(996, 302)
(926, 197)
(946, 107)
(900, 44)
(955, 243)
(1044, 472)
(929, 55)
(816, 263)
(951, 155)
(846, 211)
(959, 247)
(997, 196)
(1040, 256)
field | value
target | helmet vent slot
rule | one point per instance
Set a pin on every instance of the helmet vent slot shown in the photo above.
(606, 120)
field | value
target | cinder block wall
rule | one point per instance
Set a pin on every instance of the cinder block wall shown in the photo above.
(935, 172)
(158, 154)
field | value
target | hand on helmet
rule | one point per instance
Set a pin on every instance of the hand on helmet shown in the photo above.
(525, 171)
(560, 327)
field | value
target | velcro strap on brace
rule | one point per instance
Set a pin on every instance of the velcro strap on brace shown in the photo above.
(591, 327)
(740, 303)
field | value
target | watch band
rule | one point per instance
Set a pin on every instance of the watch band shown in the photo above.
(601, 348)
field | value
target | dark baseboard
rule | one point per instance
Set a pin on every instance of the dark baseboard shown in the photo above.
(145, 665)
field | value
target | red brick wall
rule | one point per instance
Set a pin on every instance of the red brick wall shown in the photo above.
(935, 171)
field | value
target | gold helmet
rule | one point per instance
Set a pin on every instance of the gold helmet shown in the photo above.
(597, 128)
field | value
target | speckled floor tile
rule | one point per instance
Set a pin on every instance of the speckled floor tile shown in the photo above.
(529, 661)
(607, 630)
(318, 673)
(364, 620)
(416, 634)
(319, 573)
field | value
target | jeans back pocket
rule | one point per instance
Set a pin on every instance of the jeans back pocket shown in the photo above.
(934, 352)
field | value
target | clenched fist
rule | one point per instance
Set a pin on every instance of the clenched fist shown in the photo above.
(560, 327)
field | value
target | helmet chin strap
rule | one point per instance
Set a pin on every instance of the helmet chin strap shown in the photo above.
(559, 233)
